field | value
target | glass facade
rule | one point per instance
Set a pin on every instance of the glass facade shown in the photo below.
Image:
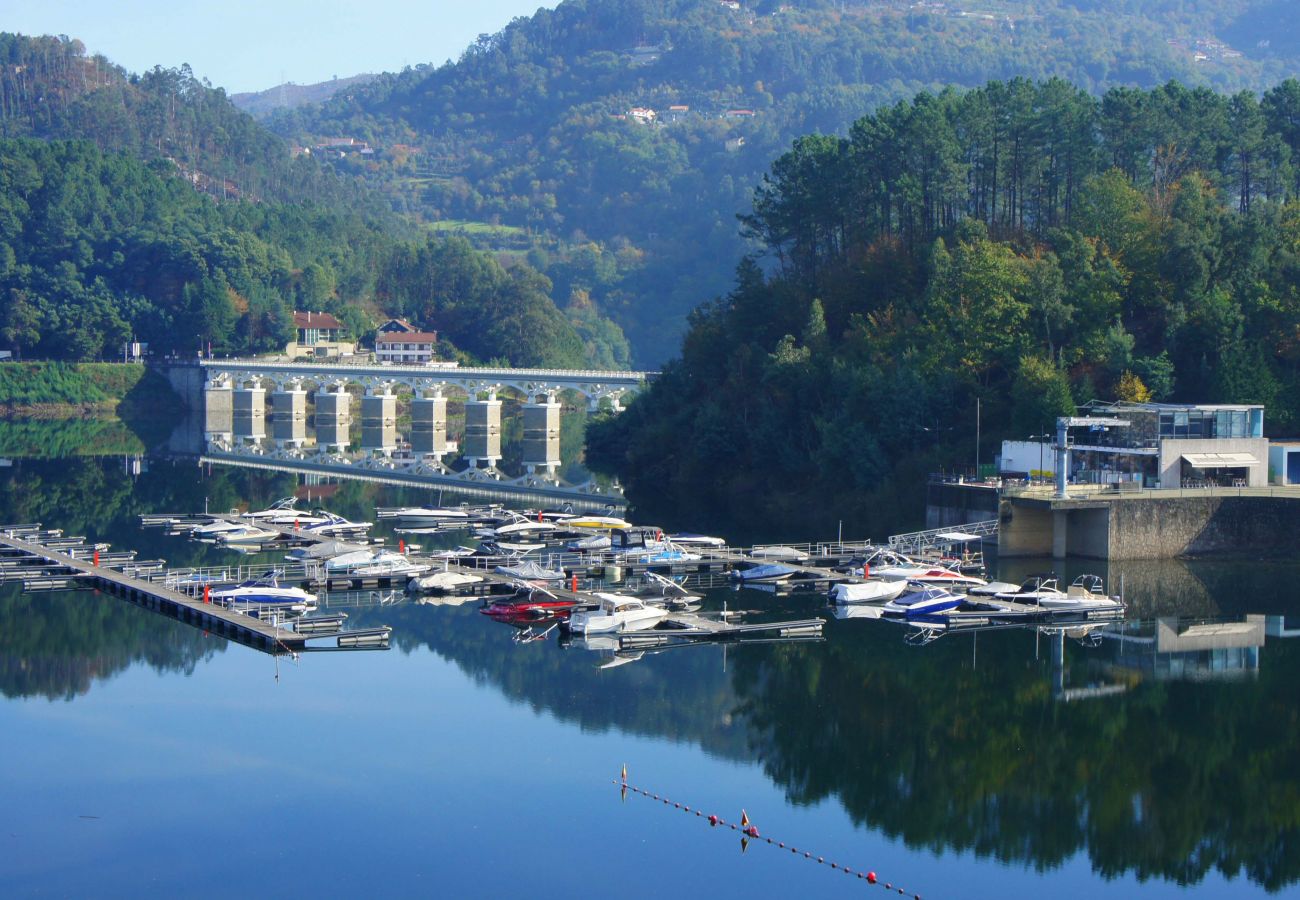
(1211, 423)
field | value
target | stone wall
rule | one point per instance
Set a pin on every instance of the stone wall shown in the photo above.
(1195, 526)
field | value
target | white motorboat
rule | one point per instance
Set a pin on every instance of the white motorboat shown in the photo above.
(1036, 590)
(762, 573)
(1086, 593)
(390, 565)
(991, 589)
(214, 529)
(590, 543)
(433, 515)
(686, 539)
(519, 526)
(872, 591)
(282, 512)
(787, 554)
(264, 591)
(929, 599)
(616, 613)
(896, 567)
(444, 581)
(248, 534)
(346, 562)
(336, 526)
(323, 550)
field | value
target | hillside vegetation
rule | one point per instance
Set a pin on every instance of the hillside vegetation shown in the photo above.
(534, 127)
(1025, 245)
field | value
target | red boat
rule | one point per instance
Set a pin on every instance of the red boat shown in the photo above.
(529, 606)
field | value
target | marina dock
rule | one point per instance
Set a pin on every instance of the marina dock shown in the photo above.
(27, 555)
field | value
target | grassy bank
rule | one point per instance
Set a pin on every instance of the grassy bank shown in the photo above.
(61, 390)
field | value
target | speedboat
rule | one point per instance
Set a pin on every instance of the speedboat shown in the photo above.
(598, 523)
(519, 526)
(264, 591)
(762, 572)
(444, 581)
(282, 512)
(687, 539)
(214, 529)
(1035, 591)
(897, 567)
(928, 600)
(616, 613)
(873, 591)
(433, 515)
(248, 534)
(390, 565)
(335, 526)
(530, 602)
(1087, 592)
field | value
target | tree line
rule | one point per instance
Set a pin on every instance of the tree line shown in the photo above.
(1023, 245)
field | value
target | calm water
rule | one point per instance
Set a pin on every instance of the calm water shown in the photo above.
(145, 757)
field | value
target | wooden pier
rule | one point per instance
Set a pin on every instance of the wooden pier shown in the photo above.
(57, 568)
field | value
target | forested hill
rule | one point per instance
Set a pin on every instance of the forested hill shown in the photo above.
(1027, 246)
(540, 127)
(51, 88)
(286, 96)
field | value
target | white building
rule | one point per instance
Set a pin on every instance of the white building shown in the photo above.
(406, 348)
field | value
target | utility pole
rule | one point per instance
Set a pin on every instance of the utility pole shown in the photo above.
(977, 438)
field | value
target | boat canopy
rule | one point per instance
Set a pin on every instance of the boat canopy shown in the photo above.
(957, 536)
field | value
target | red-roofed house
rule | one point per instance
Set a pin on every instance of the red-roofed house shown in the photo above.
(318, 335)
(406, 348)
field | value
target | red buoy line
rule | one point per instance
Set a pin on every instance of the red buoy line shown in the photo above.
(749, 830)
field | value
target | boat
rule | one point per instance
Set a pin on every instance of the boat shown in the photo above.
(248, 534)
(892, 566)
(1036, 590)
(687, 539)
(322, 550)
(590, 544)
(762, 572)
(529, 571)
(872, 591)
(264, 590)
(217, 527)
(597, 523)
(616, 613)
(927, 599)
(1087, 592)
(443, 581)
(788, 554)
(346, 562)
(282, 512)
(519, 526)
(668, 593)
(336, 526)
(437, 515)
(529, 602)
(991, 589)
(390, 565)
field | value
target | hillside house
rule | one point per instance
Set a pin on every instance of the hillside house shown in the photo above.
(318, 336)
(406, 348)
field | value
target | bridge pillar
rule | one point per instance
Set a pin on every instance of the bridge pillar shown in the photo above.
(542, 434)
(429, 426)
(379, 421)
(289, 416)
(249, 413)
(333, 416)
(483, 431)
(218, 408)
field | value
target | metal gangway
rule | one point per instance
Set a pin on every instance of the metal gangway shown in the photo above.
(915, 543)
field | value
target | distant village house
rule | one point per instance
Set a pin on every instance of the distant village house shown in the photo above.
(318, 336)
(410, 348)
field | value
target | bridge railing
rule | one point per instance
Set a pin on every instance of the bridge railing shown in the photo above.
(431, 371)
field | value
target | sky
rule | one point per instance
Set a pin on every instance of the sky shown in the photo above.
(251, 45)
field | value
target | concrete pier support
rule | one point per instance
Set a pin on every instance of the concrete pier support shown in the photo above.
(542, 435)
(1060, 533)
(249, 413)
(429, 426)
(379, 421)
(333, 416)
(218, 408)
(483, 431)
(289, 416)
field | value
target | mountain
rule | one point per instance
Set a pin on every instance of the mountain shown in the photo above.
(149, 206)
(619, 140)
(261, 104)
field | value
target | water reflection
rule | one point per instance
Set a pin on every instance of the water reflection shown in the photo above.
(1166, 746)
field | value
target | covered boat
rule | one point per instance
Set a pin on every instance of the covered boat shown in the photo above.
(873, 591)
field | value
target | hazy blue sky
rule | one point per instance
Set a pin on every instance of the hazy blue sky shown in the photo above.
(248, 45)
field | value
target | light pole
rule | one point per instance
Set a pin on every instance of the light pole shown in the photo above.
(1039, 438)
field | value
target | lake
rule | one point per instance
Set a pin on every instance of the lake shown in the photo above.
(1161, 758)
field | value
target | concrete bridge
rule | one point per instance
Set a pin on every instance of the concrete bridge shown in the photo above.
(232, 395)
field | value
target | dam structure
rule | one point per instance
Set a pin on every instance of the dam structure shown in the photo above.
(343, 418)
